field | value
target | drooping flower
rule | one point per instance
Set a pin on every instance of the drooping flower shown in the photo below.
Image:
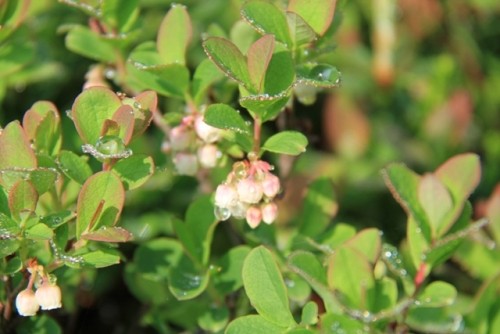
(26, 303)
(254, 216)
(48, 296)
(269, 212)
(207, 133)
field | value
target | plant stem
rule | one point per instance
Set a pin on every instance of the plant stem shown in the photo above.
(257, 129)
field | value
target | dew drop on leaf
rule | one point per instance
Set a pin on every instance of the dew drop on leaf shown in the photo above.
(222, 213)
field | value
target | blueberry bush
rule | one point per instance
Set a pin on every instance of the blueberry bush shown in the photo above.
(259, 166)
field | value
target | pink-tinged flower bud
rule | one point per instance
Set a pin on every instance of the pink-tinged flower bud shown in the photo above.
(208, 155)
(186, 163)
(206, 132)
(26, 303)
(270, 185)
(254, 216)
(239, 210)
(269, 212)
(48, 296)
(180, 138)
(225, 196)
(249, 191)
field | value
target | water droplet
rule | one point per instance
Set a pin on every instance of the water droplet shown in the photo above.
(137, 105)
(222, 213)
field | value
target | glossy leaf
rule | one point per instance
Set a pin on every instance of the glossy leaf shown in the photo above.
(227, 276)
(317, 13)
(350, 273)
(91, 108)
(15, 148)
(280, 73)
(134, 171)
(437, 294)
(251, 324)
(300, 32)
(23, 198)
(144, 106)
(74, 166)
(100, 258)
(100, 202)
(286, 142)
(265, 288)
(174, 35)
(319, 207)
(108, 234)
(436, 203)
(266, 18)
(222, 116)
(42, 125)
(318, 75)
(186, 281)
(197, 232)
(265, 106)
(85, 42)
(229, 59)
(123, 120)
(258, 58)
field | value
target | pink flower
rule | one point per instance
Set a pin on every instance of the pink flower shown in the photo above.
(254, 216)
(225, 196)
(186, 163)
(270, 185)
(208, 155)
(26, 303)
(249, 191)
(48, 296)
(180, 138)
(269, 212)
(206, 132)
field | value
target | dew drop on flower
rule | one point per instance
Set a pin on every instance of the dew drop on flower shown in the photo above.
(222, 213)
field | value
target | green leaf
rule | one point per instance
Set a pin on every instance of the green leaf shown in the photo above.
(286, 142)
(265, 288)
(108, 234)
(368, 243)
(317, 13)
(229, 59)
(258, 58)
(318, 209)
(186, 281)
(205, 75)
(134, 171)
(222, 116)
(42, 125)
(15, 148)
(251, 324)
(120, 14)
(85, 42)
(301, 32)
(41, 324)
(417, 242)
(385, 295)
(4, 201)
(100, 258)
(280, 73)
(318, 75)
(144, 288)
(39, 232)
(337, 235)
(434, 320)
(174, 35)
(437, 294)
(266, 18)
(100, 202)
(23, 198)
(334, 323)
(8, 227)
(74, 166)
(350, 273)
(155, 257)
(436, 203)
(214, 319)
(266, 106)
(403, 184)
(227, 275)
(144, 106)
(309, 314)
(91, 108)
(197, 232)
(43, 179)
(168, 80)
(13, 266)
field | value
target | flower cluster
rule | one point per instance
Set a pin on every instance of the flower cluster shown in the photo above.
(193, 145)
(248, 192)
(46, 297)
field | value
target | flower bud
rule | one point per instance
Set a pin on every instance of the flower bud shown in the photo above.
(269, 212)
(270, 185)
(225, 196)
(48, 296)
(180, 138)
(206, 132)
(26, 303)
(239, 210)
(249, 191)
(186, 163)
(208, 155)
(254, 216)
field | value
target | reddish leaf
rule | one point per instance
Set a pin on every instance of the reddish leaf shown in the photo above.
(258, 57)
(15, 149)
(22, 198)
(109, 234)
